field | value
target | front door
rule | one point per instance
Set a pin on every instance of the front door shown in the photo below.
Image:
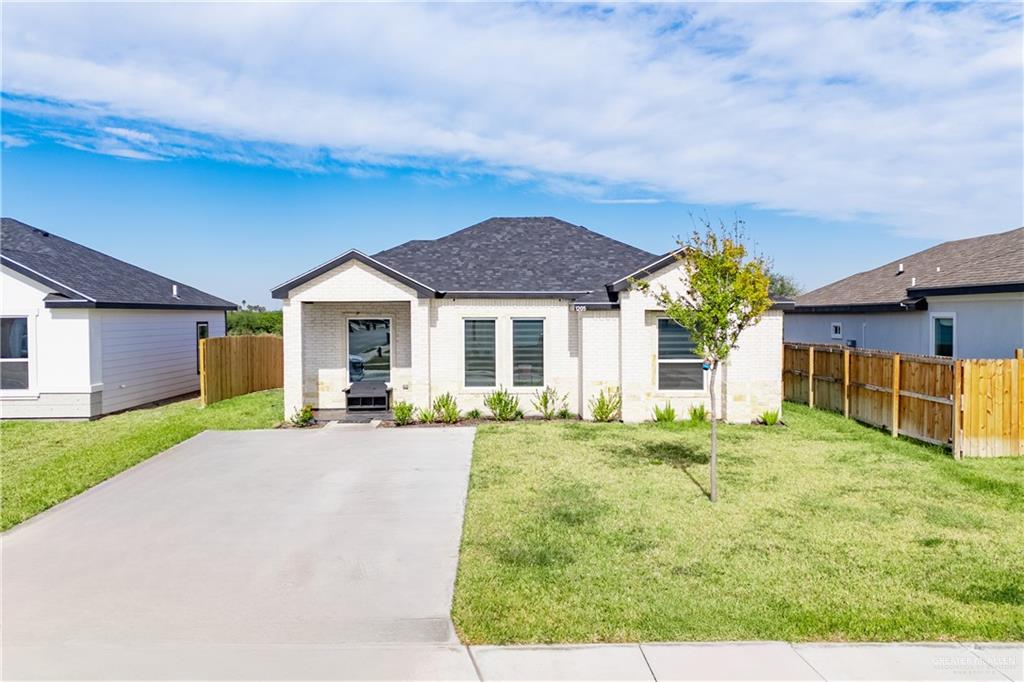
(369, 349)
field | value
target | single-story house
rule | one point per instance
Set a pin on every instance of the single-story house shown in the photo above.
(963, 299)
(519, 303)
(84, 334)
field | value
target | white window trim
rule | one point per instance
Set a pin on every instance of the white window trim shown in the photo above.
(931, 331)
(512, 351)
(199, 322)
(33, 384)
(462, 355)
(657, 373)
(832, 330)
(391, 329)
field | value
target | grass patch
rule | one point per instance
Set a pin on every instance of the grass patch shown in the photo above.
(46, 462)
(826, 530)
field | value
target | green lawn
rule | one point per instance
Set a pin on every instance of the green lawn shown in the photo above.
(825, 530)
(44, 463)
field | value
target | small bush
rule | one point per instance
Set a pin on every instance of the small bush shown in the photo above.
(403, 412)
(426, 415)
(698, 413)
(548, 403)
(503, 405)
(566, 413)
(303, 417)
(606, 407)
(665, 414)
(446, 409)
(770, 417)
(473, 414)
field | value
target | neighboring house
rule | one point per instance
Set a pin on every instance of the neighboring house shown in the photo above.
(961, 299)
(83, 334)
(521, 303)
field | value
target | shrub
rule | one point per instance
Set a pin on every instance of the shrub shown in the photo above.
(245, 322)
(303, 417)
(473, 414)
(606, 407)
(770, 417)
(548, 403)
(566, 413)
(403, 413)
(665, 414)
(503, 405)
(698, 413)
(426, 415)
(446, 408)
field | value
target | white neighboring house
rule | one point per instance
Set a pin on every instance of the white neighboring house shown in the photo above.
(83, 334)
(961, 299)
(520, 303)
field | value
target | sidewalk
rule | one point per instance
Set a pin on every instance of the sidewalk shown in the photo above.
(720, 661)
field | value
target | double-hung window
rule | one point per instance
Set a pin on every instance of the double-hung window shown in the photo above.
(478, 349)
(679, 367)
(527, 352)
(14, 359)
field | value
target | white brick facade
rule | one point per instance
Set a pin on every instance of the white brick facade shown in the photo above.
(584, 352)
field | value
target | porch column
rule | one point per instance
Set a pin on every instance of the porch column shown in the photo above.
(291, 312)
(419, 325)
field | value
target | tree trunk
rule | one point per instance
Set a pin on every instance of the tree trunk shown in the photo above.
(714, 435)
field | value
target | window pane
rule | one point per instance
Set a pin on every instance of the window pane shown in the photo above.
(369, 350)
(13, 375)
(944, 336)
(479, 353)
(674, 341)
(202, 330)
(680, 376)
(14, 337)
(527, 352)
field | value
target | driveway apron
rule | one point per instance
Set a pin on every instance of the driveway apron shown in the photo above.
(279, 551)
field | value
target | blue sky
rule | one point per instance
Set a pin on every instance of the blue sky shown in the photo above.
(234, 146)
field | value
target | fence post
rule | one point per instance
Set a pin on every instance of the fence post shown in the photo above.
(957, 409)
(810, 376)
(895, 395)
(846, 383)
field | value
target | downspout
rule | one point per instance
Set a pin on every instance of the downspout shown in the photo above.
(579, 362)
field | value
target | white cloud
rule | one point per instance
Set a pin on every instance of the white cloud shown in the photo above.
(900, 114)
(12, 141)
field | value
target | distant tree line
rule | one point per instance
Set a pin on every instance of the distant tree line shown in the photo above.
(254, 320)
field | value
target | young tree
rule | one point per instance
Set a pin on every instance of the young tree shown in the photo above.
(725, 290)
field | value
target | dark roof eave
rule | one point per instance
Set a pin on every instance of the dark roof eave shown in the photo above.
(623, 283)
(41, 278)
(957, 290)
(78, 303)
(423, 291)
(907, 305)
(511, 294)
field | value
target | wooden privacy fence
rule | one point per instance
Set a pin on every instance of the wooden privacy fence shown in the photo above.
(975, 407)
(236, 365)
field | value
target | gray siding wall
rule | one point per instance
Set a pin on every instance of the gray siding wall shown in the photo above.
(990, 326)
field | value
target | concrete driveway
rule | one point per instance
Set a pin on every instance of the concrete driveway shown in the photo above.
(257, 554)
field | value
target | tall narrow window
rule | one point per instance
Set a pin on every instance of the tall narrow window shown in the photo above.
(369, 349)
(679, 368)
(942, 332)
(14, 353)
(202, 332)
(479, 352)
(527, 352)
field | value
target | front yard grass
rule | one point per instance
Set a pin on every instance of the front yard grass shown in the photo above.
(46, 462)
(825, 530)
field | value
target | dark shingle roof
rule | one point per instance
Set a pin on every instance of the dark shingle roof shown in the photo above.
(979, 263)
(517, 255)
(87, 278)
